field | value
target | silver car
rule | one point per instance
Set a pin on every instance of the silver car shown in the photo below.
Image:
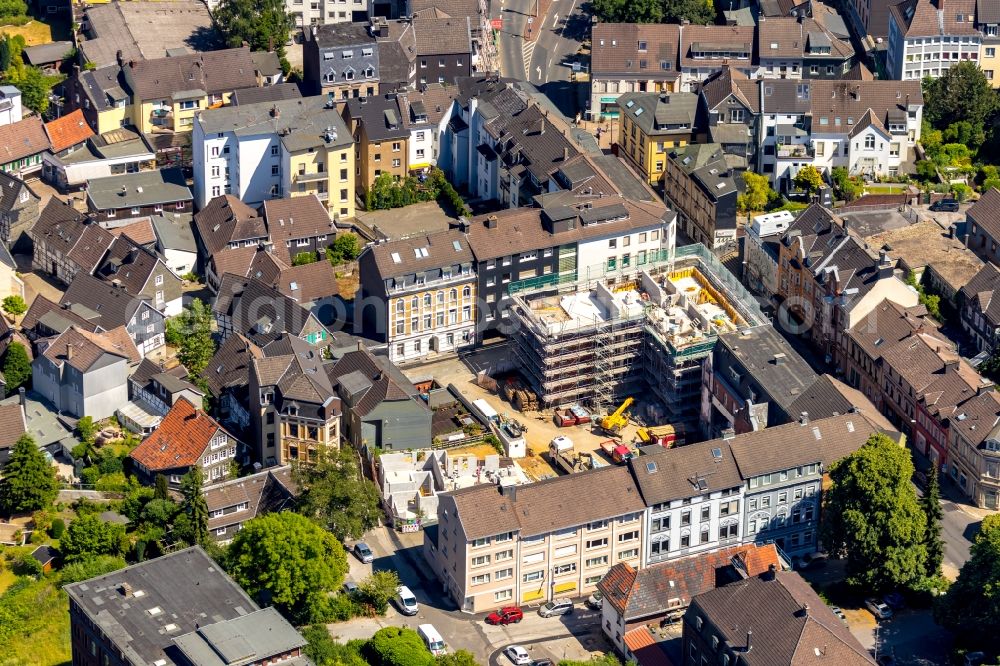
(364, 553)
(557, 607)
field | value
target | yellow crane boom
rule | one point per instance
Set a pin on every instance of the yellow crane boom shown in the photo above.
(614, 422)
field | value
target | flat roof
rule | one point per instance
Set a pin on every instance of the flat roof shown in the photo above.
(928, 244)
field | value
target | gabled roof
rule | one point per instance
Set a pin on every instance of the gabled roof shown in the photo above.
(927, 18)
(730, 82)
(11, 188)
(251, 261)
(771, 361)
(986, 212)
(616, 50)
(366, 380)
(798, 37)
(140, 232)
(262, 493)
(309, 282)
(67, 131)
(226, 219)
(54, 317)
(296, 217)
(230, 367)
(211, 72)
(67, 231)
(417, 253)
(131, 266)
(180, 439)
(983, 292)
(81, 349)
(687, 471)
(22, 139)
(828, 396)
(100, 302)
(445, 35)
(12, 424)
(261, 312)
(717, 41)
(144, 188)
(295, 370)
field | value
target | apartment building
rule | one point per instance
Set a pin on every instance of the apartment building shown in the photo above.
(419, 295)
(341, 61)
(800, 47)
(510, 545)
(982, 226)
(271, 150)
(705, 49)
(308, 13)
(869, 17)
(703, 188)
(693, 500)
(651, 125)
(974, 439)
(731, 103)
(381, 139)
(631, 58)
(926, 37)
(760, 265)
(979, 302)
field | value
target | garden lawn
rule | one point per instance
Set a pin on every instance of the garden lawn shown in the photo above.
(37, 631)
(885, 188)
(34, 32)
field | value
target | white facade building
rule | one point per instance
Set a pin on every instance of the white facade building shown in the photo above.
(927, 39)
(10, 105)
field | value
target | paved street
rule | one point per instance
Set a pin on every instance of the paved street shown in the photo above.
(573, 637)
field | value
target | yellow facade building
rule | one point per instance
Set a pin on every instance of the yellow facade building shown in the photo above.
(650, 125)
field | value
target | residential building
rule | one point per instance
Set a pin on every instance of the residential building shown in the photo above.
(270, 150)
(705, 49)
(313, 286)
(631, 58)
(295, 414)
(298, 225)
(103, 95)
(23, 145)
(927, 39)
(227, 377)
(168, 92)
(634, 598)
(136, 194)
(760, 249)
(419, 295)
(108, 306)
(651, 124)
(67, 242)
(974, 440)
(269, 93)
(381, 140)
(869, 17)
(982, 226)
(790, 620)
(509, 545)
(85, 374)
(11, 283)
(254, 309)
(19, 210)
(700, 185)
(444, 50)
(232, 503)
(260, 262)
(176, 244)
(693, 497)
(731, 102)
(114, 153)
(67, 134)
(989, 61)
(226, 222)
(426, 113)
(186, 438)
(122, 617)
(340, 61)
(800, 47)
(828, 280)
(268, 69)
(11, 109)
(142, 274)
(47, 319)
(751, 381)
(153, 390)
(381, 407)
(979, 301)
(13, 424)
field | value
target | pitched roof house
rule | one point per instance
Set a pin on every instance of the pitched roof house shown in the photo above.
(66, 242)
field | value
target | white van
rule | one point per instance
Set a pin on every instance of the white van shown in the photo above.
(406, 601)
(432, 639)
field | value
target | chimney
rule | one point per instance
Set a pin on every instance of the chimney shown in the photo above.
(772, 572)
(749, 643)
(665, 98)
(565, 153)
(541, 126)
(804, 418)
(20, 396)
(728, 434)
(126, 590)
(491, 222)
(69, 352)
(804, 611)
(509, 492)
(780, 358)
(120, 58)
(275, 111)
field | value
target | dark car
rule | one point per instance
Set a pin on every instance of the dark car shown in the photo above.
(542, 662)
(895, 600)
(945, 206)
(509, 615)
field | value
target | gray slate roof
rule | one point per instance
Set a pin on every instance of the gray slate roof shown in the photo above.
(275, 93)
(230, 642)
(772, 362)
(306, 120)
(687, 471)
(145, 188)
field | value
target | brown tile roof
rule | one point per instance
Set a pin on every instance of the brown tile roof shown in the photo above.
(68, 130)
(309, 282)
(828, 396)
(727, 82)
(986, 213)
(442, 35)
(977, 418)
(440, 249)
(250, 261)
(549, 505)
(376, 376)
(210, 72)
(616, 49)
(42, 306)
(179, 440)
(983, 291)
(141, 232)
(687, 471)
(925, 18)
(715, 38)
(22, 139)
(131, 265)
(645, 647)
(789, 37)
(296, 217)
(68, 232)
(453, 8)
(81, 349)
(230, 367)
(226, 218)
(12, 424)
(436, 98)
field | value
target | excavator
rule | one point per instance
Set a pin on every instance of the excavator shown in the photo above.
(614, 422)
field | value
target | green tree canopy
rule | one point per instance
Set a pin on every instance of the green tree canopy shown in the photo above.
(324, 651)
(14, 304)
(288, 560)
(872, 517)
(33, 84)
(931, 504)
(16, 366)
(195, 507)
(758, 194)
(378, 589)
(456, 658)
(345, 247)
(335, 493)
(88, 536)
(655, 11)
(962, 93)
(29, 480)
(260, 23)
(971, 606)
(809, 179)
(89, 568)
(398, 646)
(191, 332)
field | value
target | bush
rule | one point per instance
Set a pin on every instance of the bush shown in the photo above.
(378, 589)
(112, 482)
(89, 568)
(57, 528)
(303, 258)
(12, 9)
(26, 565)
(339, 608)
(398, 646)
(14, 305)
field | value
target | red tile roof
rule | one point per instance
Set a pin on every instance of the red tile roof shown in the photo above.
(140, 232)
(68, 130)
(644, 647)
(180, 439)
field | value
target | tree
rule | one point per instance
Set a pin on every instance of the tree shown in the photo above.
(971, 607)
(86, 430)
(303, 258)
(960, 191)
(966, 133)
(14, 305)
(698, 12)
(962, 93)
(29, 480)
(809, 179)
(161, 489)
(757, 195)
(191, 332)
(88, 535)
(194, 507)
(4, 53)
(324, 651)
(264, 24)
(32, 83)
(872, 517)
(289, 561)
(336, 494)
(12, 8)
(931, 504)
(629, 11)
(378, 589)
(90, 568)
(16, 366)
(345, 247)
(398, 646)
(456, 658)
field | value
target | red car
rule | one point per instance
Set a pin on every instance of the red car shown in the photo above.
(509, 615)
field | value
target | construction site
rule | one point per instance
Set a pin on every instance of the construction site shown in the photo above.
(642, 332)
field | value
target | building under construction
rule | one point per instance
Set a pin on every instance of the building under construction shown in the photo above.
(627, 333)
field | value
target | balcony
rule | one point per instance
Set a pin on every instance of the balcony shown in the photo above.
(795, 151)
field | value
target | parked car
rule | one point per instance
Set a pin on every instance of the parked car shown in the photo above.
(406, 601)
(542, 662)
(557, 607)
(518, 655)
(508, 615)
(363, 552)
(895, 600)
(839, 613)
(879, 609)
(350, 587)
(594, 600)
(945, 206)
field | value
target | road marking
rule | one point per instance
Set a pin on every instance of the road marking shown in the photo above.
(527, 50)
(538, 72)
(555, 20)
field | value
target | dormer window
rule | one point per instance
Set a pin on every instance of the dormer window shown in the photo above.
(348, 54)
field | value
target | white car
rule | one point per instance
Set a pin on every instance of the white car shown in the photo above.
(879, 609)
(518, 655)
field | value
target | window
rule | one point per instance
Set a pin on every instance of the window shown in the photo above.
(396, 163)
(597, 543)
(395, 146)
(504, 574)
(628, 536)
(503, 595)
(479, 543)
(596, 561)
(563, 569)
(706, 513)
(503, 538)
(533, 576)
(629, 554)
(158, 280)
(686, 518)
(870, 142)
(480, 560)
(481, 579)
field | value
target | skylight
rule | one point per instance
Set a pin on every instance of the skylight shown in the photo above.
(395, 258)
(650, 467)
(457, 245)
(717, 453)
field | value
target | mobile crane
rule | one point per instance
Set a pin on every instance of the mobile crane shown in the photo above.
(614, 422)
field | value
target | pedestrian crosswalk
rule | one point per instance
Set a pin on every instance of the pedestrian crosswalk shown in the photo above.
(527, 50)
